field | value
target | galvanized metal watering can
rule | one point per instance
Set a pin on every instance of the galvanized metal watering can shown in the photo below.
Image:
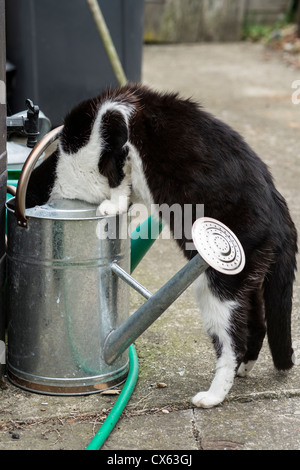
(68, 290)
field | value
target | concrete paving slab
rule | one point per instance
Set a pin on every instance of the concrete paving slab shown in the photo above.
(238, 425)
(268, 424)
(251, 89)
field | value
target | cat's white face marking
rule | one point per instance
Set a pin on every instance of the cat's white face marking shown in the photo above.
(78, 176)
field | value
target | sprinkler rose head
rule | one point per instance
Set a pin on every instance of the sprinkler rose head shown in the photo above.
(218, 246)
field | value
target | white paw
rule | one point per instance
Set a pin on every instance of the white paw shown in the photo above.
(245, 368)
(107, 208)
(206, 400)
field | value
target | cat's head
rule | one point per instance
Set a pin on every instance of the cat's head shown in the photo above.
(91, 153)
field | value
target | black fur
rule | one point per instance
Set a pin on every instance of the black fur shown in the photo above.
(111, 162)
(190, 156)
(78, 125)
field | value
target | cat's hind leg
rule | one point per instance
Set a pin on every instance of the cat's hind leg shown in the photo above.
(256, 332)
(217, 316)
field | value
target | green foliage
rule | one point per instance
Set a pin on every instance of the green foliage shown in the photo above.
(262, 33)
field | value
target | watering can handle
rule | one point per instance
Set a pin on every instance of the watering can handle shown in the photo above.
(37, 151)
(11, 190)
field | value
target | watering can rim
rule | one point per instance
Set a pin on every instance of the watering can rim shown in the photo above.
(63, 209)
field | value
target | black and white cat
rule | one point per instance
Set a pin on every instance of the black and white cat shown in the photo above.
(136, 144)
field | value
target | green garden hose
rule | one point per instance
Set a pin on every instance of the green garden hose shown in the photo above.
(111, 420)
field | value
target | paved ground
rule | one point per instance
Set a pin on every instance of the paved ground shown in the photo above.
(251, 89)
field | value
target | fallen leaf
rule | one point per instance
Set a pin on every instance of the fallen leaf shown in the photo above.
(161, 385)
(110, 392)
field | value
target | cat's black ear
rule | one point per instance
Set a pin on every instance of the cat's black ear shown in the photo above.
(114, 135)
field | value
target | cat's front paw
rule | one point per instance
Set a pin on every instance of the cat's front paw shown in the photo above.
(206, 400)
(107, 207)
(113, 207)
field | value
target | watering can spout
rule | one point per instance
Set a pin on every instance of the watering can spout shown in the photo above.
(217, 247)
(120, 339)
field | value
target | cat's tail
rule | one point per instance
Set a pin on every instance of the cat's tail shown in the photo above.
(278, 293)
